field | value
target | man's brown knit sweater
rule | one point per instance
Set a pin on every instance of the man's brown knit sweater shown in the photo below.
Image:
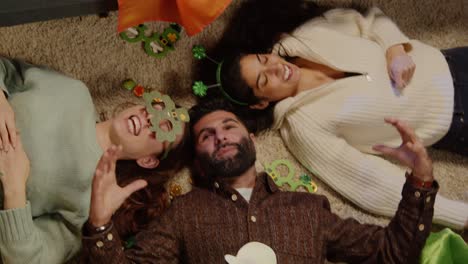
(205, 224)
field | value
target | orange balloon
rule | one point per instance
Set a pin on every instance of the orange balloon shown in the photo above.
(193, 15)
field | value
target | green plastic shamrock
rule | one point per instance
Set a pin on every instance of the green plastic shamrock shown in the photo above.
(130, 242)
(198, 52)
(158, 45)
(199, 88)
(129, 84)
(140, 31)
(305, 179)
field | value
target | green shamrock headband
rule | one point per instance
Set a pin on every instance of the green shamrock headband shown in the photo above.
(199, 88)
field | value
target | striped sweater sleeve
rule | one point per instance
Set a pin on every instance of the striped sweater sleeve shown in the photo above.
(368, 181)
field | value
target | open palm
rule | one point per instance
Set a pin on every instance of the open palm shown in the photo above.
(411, 152)
(107, 196)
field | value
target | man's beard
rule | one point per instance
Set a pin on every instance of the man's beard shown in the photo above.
(232, 166)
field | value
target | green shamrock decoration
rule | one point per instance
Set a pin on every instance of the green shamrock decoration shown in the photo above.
(199, 89)
(130, 242)
(157, 44)
(304, 180)
(129, 84)
(199, 52)
(140, 34)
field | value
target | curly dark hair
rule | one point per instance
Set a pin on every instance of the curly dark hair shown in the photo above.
(252, 31)
(257, 24)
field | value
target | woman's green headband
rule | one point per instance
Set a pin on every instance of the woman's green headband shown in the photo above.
(199, 88)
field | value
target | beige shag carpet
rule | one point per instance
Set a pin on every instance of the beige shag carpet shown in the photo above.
(89, 49)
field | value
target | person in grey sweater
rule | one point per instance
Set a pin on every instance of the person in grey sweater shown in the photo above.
(50, 145)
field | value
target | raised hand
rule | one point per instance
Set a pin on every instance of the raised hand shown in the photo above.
(107, 196)
(411, 152)
(400, 66)
(14, 173)
(7, 124)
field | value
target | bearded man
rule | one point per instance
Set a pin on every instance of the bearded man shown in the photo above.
(233, 205)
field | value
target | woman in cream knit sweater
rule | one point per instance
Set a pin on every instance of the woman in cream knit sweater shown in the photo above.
(329, 84)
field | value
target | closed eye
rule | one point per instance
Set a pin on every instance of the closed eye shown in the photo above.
(265, 78)
(205, 136)
(259, 75)
(166, 126)
(169, 126)
(262, 81)
(230, 123)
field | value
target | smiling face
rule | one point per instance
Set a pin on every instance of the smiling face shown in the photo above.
(271, 77)
(131, 129)
(223, 145)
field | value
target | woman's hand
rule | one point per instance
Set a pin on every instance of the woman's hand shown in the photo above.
(411, 152)
(7, 124)
(400, 65)
(14, 173)
(107, 196)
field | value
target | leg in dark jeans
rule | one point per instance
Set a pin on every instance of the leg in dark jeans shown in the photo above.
(456, 140)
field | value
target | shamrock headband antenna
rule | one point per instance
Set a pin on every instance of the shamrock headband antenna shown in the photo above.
(199, 88)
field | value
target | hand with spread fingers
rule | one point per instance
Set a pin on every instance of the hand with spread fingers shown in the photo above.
(8, 137)
(107, 196)
(14, 173)
(411, 152)
(400, 66)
